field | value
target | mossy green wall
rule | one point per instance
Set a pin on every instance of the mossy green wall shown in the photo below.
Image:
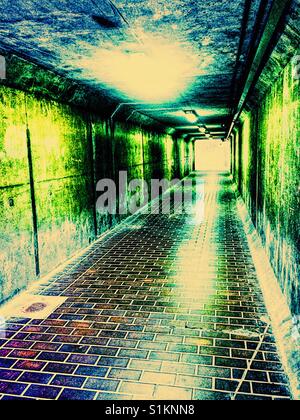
(16, 238)
(268, 144)
(62, 176)
(70, 151)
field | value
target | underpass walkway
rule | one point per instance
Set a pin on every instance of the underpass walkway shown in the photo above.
(165, 307)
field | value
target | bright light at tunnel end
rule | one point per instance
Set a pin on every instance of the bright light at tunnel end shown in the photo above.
(154, 71)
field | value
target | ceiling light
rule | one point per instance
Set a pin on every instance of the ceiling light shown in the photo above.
(154, 71)
(191, 116)
(106, 22)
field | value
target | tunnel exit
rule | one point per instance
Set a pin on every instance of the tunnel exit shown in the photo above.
(149, 202)
(212, 155)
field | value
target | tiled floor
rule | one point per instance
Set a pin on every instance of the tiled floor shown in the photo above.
(165, 307)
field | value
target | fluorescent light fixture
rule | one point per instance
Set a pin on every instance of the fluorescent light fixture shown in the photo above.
(152, 71)
(191, 116)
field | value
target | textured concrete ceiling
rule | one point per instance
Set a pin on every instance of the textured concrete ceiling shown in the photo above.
(78, 38)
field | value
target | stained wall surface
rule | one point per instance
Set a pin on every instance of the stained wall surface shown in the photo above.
(48, 208)
(266, 166)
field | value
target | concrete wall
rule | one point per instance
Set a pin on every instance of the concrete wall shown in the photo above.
(51, 203)
(16, 238)
(266, 166)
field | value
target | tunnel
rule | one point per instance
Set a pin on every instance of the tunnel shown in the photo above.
(149, 202)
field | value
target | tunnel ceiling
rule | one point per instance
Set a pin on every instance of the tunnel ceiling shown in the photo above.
(181, 54)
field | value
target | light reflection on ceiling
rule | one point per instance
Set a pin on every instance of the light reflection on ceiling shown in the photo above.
(153, 71)
(180, 52)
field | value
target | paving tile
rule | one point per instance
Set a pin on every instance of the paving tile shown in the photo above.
(158, 378)
(198, 360)
(46, 346)
(12, 388)
(77, 395)
(131, 375)
(106, 396)
(24, 354)
(133, 354)
(140, 336)
(135, 326)
(60, 368)
(9, 375)
(16, 344)
(245, 397)
(68, 381)
(180, 368)
(43, 392)
(216, 351)
(101, 384)
(183, 348)
(113, 334)
(233, 386)
(113, 361)
(202, 395)
(231, 344)
(231, 362)
(278, 378)
(146, 365)
(40, 337)
(103, 351)
(35, 378)
(29, 365)
(4, 352)
(66, 339)
(148, 345)
(91, 371)
(130, 328)
(198, 341)
(52, 356)
(164, 356)
(82, 359)
(137, 389)
(169, 339)
(172, 393)
(93, 341)
(267, 366)
(270, 389)
(194, 382)
(67, 348)
(214, 372)
(14, 398)
(7, 363)
(252, 375)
